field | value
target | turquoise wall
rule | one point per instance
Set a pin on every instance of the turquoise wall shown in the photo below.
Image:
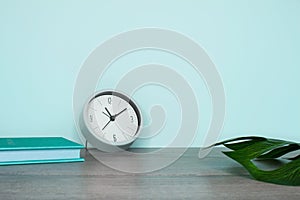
(254, 44)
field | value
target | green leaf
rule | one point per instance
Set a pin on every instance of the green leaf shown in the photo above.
(276, 153)
(245, 150)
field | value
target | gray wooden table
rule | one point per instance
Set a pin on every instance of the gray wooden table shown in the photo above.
(215, 177)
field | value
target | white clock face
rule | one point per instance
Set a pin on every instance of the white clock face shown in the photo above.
(113, 118)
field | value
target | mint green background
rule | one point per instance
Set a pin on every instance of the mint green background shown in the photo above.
(254, 44)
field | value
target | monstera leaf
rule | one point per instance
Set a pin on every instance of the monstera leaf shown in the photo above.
(248, 150)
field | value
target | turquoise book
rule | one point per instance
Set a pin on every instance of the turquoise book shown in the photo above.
(36, 150)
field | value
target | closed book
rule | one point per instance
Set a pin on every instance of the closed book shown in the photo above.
(35, 150)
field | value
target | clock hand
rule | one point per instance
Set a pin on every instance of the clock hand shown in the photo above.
(120, 112)
(106, 125)
(111, 117)
(106, 114)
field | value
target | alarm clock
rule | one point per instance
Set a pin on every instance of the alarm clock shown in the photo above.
(111, 121)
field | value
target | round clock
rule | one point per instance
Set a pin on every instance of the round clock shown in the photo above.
(111, 121)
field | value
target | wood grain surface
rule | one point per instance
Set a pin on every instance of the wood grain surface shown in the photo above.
(215, 177)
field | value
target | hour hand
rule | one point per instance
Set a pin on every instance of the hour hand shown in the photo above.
(108, 112)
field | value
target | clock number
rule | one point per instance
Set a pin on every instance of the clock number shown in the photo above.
(109, 100)
(131, 118)
(91, 118)
(115, 137)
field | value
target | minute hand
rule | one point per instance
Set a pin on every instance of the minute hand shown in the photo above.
(120, 113)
